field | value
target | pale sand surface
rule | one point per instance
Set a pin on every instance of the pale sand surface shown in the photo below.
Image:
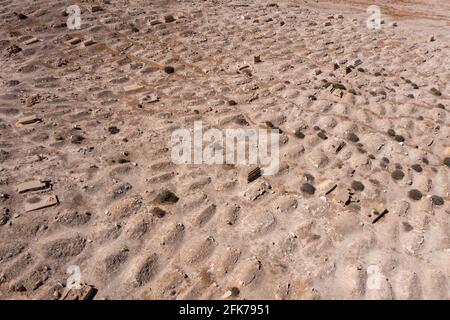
(104, 150)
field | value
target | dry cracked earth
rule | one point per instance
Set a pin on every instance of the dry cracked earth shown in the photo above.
(358, 210)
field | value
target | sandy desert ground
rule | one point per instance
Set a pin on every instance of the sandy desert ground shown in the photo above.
(358, 210)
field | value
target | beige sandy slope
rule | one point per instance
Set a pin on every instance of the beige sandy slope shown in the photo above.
(102, 116)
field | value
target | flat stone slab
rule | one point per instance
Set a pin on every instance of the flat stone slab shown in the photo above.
(31, 186)
(73, 41)
(45, 202)
(132, 87)
(31, 41)
(89, 42)
(85, 292)
(28, 119)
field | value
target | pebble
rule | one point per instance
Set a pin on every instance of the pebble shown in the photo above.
(169, 18)
(415, 194)
(357, 186)
(299, 134)
(166, 196)
(437, 200)
(436, 92)
(399, 138)
(169, 69)
(113, 130)
(158, 212)
(397, 175)
(308, 188)
(447, 161)
(352, 137)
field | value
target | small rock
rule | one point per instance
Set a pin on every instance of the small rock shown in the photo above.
(96, 8)
(415, 194)
(299, 134)
(166, 196)
(158, 212)
(13, 50)
(447, 161)
(169, 69)
(437, 200)
(322, 135)
(399, 138)
(308, 188)
(357, 186)
(352, 137)
(397, 175)
(21, 16)
(436, 92)
(113, 130)
(169, 18)
(76, 139)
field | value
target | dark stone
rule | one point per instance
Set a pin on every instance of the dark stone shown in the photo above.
(4, 216)
(166, 196)
(417, 167)
(437, 200)
(113, 130)
(169, 69)
(13, 50)
(407, 227)
(357, 186)
(447, 161)
(308, 188)
(169, 18)
(77, 139)
(21, 16)
(436, 92)
(158, 212)
(397, 175)
(234, 292)
(415, 194)
(391, 132)
(352, 137)
(299, 134)
(399, 138)
(322, 135)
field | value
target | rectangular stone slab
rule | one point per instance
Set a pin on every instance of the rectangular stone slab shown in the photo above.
(31, 41)
(28, 119)
(74, 41)
(86, 292)
(45, 202)
(133, 87)
(88, 43)
(31, 186)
